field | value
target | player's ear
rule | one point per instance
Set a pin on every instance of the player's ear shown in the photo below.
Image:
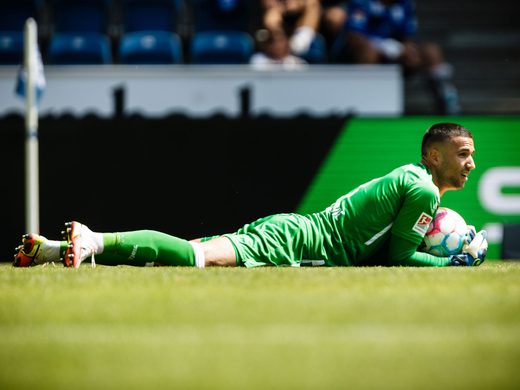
(434, 156)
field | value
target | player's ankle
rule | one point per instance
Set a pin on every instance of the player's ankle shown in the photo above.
(51, 250)
(111, 242)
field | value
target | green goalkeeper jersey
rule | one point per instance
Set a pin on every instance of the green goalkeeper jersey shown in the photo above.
(356, 229)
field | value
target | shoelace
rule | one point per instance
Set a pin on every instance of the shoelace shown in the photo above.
(87, 251)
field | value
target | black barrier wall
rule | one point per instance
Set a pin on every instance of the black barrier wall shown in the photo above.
(185, 177)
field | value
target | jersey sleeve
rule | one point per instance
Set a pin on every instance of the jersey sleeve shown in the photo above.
(419, 206)
(404, 252)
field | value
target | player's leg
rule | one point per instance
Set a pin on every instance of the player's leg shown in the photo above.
(147, 246)
(37, 250)
(219, 252)
(277, 240)
(143, 247)
(160, 248)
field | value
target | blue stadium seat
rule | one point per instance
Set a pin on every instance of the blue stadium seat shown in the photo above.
(13, 14)
(88, 48)
(81, 15)
(150, 47)
(221, 15)
(11, 47)
(147, 15)
(317, 53)
(221, 47)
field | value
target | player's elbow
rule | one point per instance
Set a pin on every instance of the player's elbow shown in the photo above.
(399, 257)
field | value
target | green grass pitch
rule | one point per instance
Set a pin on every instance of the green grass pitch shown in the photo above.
(286, 328)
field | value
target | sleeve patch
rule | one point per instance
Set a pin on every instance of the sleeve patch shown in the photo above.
(422, 224)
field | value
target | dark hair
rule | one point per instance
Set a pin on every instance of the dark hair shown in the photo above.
(442, 132)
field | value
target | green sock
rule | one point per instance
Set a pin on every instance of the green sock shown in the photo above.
(63, 249)
(111, 242)
(150, 246)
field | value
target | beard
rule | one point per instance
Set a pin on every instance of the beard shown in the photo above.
(453, 179)
(456, 182)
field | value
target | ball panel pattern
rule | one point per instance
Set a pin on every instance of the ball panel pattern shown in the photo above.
(446, 233)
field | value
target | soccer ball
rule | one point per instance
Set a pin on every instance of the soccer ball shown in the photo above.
(446, 234)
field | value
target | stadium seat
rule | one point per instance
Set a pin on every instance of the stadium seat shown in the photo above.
(88, 48)
(150, 47)
(13, 14)
(221, 47)
(317, 53)
(147, 15)
(81, 15)
(11, 47)
(222, 15)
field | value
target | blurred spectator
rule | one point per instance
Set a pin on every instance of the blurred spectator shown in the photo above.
(381, 31)
(334, 17)
(302, 17)
(275, 51)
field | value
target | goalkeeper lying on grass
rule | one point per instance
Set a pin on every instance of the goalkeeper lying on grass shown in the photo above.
(381, 222)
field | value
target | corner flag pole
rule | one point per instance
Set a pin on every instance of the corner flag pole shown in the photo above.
(32, 192)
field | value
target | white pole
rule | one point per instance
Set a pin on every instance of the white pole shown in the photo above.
(32, 192)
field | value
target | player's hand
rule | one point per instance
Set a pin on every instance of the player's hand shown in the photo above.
(475, 242)
(465, 259)
(474, 251)
(471, 232)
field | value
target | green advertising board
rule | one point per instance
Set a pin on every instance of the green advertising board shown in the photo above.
(371, 147)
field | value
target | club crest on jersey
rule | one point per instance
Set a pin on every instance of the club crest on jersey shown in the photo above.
(421, 226)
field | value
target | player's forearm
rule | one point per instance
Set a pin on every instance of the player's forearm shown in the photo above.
(420, 259)
(404, 252)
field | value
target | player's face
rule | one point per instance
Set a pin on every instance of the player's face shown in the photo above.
(456, 163)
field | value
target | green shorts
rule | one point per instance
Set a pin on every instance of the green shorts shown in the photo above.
(278, 240)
